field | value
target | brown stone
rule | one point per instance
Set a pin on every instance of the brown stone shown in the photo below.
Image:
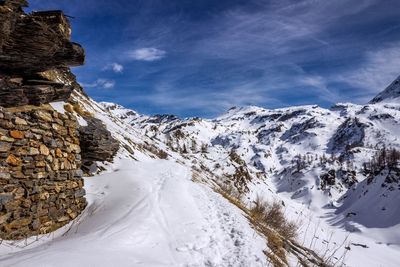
(40, 164)
(33, 151)
(71, 214)
(44, 150)
(13, 160)
(18, 193)
(63, 219)
(43, 115)
(20, 121)
(5, 146)
(4, 217)
(74, 148)
(60, 129)
(59, 153)
(20, 223)
(7, 139)
(44, 196)
(17, 134)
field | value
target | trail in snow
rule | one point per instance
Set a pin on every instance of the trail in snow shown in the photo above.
(147, 214)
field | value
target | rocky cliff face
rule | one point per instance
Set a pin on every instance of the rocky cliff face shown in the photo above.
(41, 181)
(390, 94)
(32, 48)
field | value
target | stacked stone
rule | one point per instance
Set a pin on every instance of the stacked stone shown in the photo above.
(41, 185)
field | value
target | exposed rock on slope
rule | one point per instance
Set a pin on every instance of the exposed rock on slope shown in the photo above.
(96, 142)
(349, 134)
(391, 93)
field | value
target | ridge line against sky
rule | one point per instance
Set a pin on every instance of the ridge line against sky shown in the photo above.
(198, 58)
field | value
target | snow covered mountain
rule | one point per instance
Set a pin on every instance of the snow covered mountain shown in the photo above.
(316, 161)
(297, 186)
(185, 189)
(390, 94)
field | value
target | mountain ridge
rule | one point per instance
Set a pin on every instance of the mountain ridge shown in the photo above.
(309, 157)
(391, 93)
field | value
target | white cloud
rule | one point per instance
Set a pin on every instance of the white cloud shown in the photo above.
(147, 54)
(380, 68)
(117, 68)
(208, 101)
(321, 84)
(100, 83)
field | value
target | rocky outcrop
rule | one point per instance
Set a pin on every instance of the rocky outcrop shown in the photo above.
(41, 181)
(15, 92)
(350, 134)
(390, 94)
(31, 46)
(36, 42)
(96, 142)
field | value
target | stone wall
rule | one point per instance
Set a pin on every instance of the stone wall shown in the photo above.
(41, 188)
(41, 185)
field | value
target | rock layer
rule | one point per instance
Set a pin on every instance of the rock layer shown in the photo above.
(96, 142)
(36, 42)
(31, 45)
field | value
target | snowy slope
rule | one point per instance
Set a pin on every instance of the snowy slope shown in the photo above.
(390, 94)
(144, 211)
(146, 214)
(287, 155)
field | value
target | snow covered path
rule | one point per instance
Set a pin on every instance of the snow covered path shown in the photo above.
(147, 214)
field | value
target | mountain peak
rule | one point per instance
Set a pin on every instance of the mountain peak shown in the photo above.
(391, 93)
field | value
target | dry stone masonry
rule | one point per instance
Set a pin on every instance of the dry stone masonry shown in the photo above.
(40, 177)
(41, 185)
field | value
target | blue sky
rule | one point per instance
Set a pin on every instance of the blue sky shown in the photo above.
(200, 57)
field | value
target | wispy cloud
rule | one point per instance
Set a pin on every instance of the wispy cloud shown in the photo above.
(100, 83)
(147, 54)
(271, 53)
(115, 67)
(209, 103)
(379, 68)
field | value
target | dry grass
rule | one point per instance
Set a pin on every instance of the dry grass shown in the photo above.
(268, 219)
(75, 107)
(272, 215)
(277, 253)
(161, 154)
